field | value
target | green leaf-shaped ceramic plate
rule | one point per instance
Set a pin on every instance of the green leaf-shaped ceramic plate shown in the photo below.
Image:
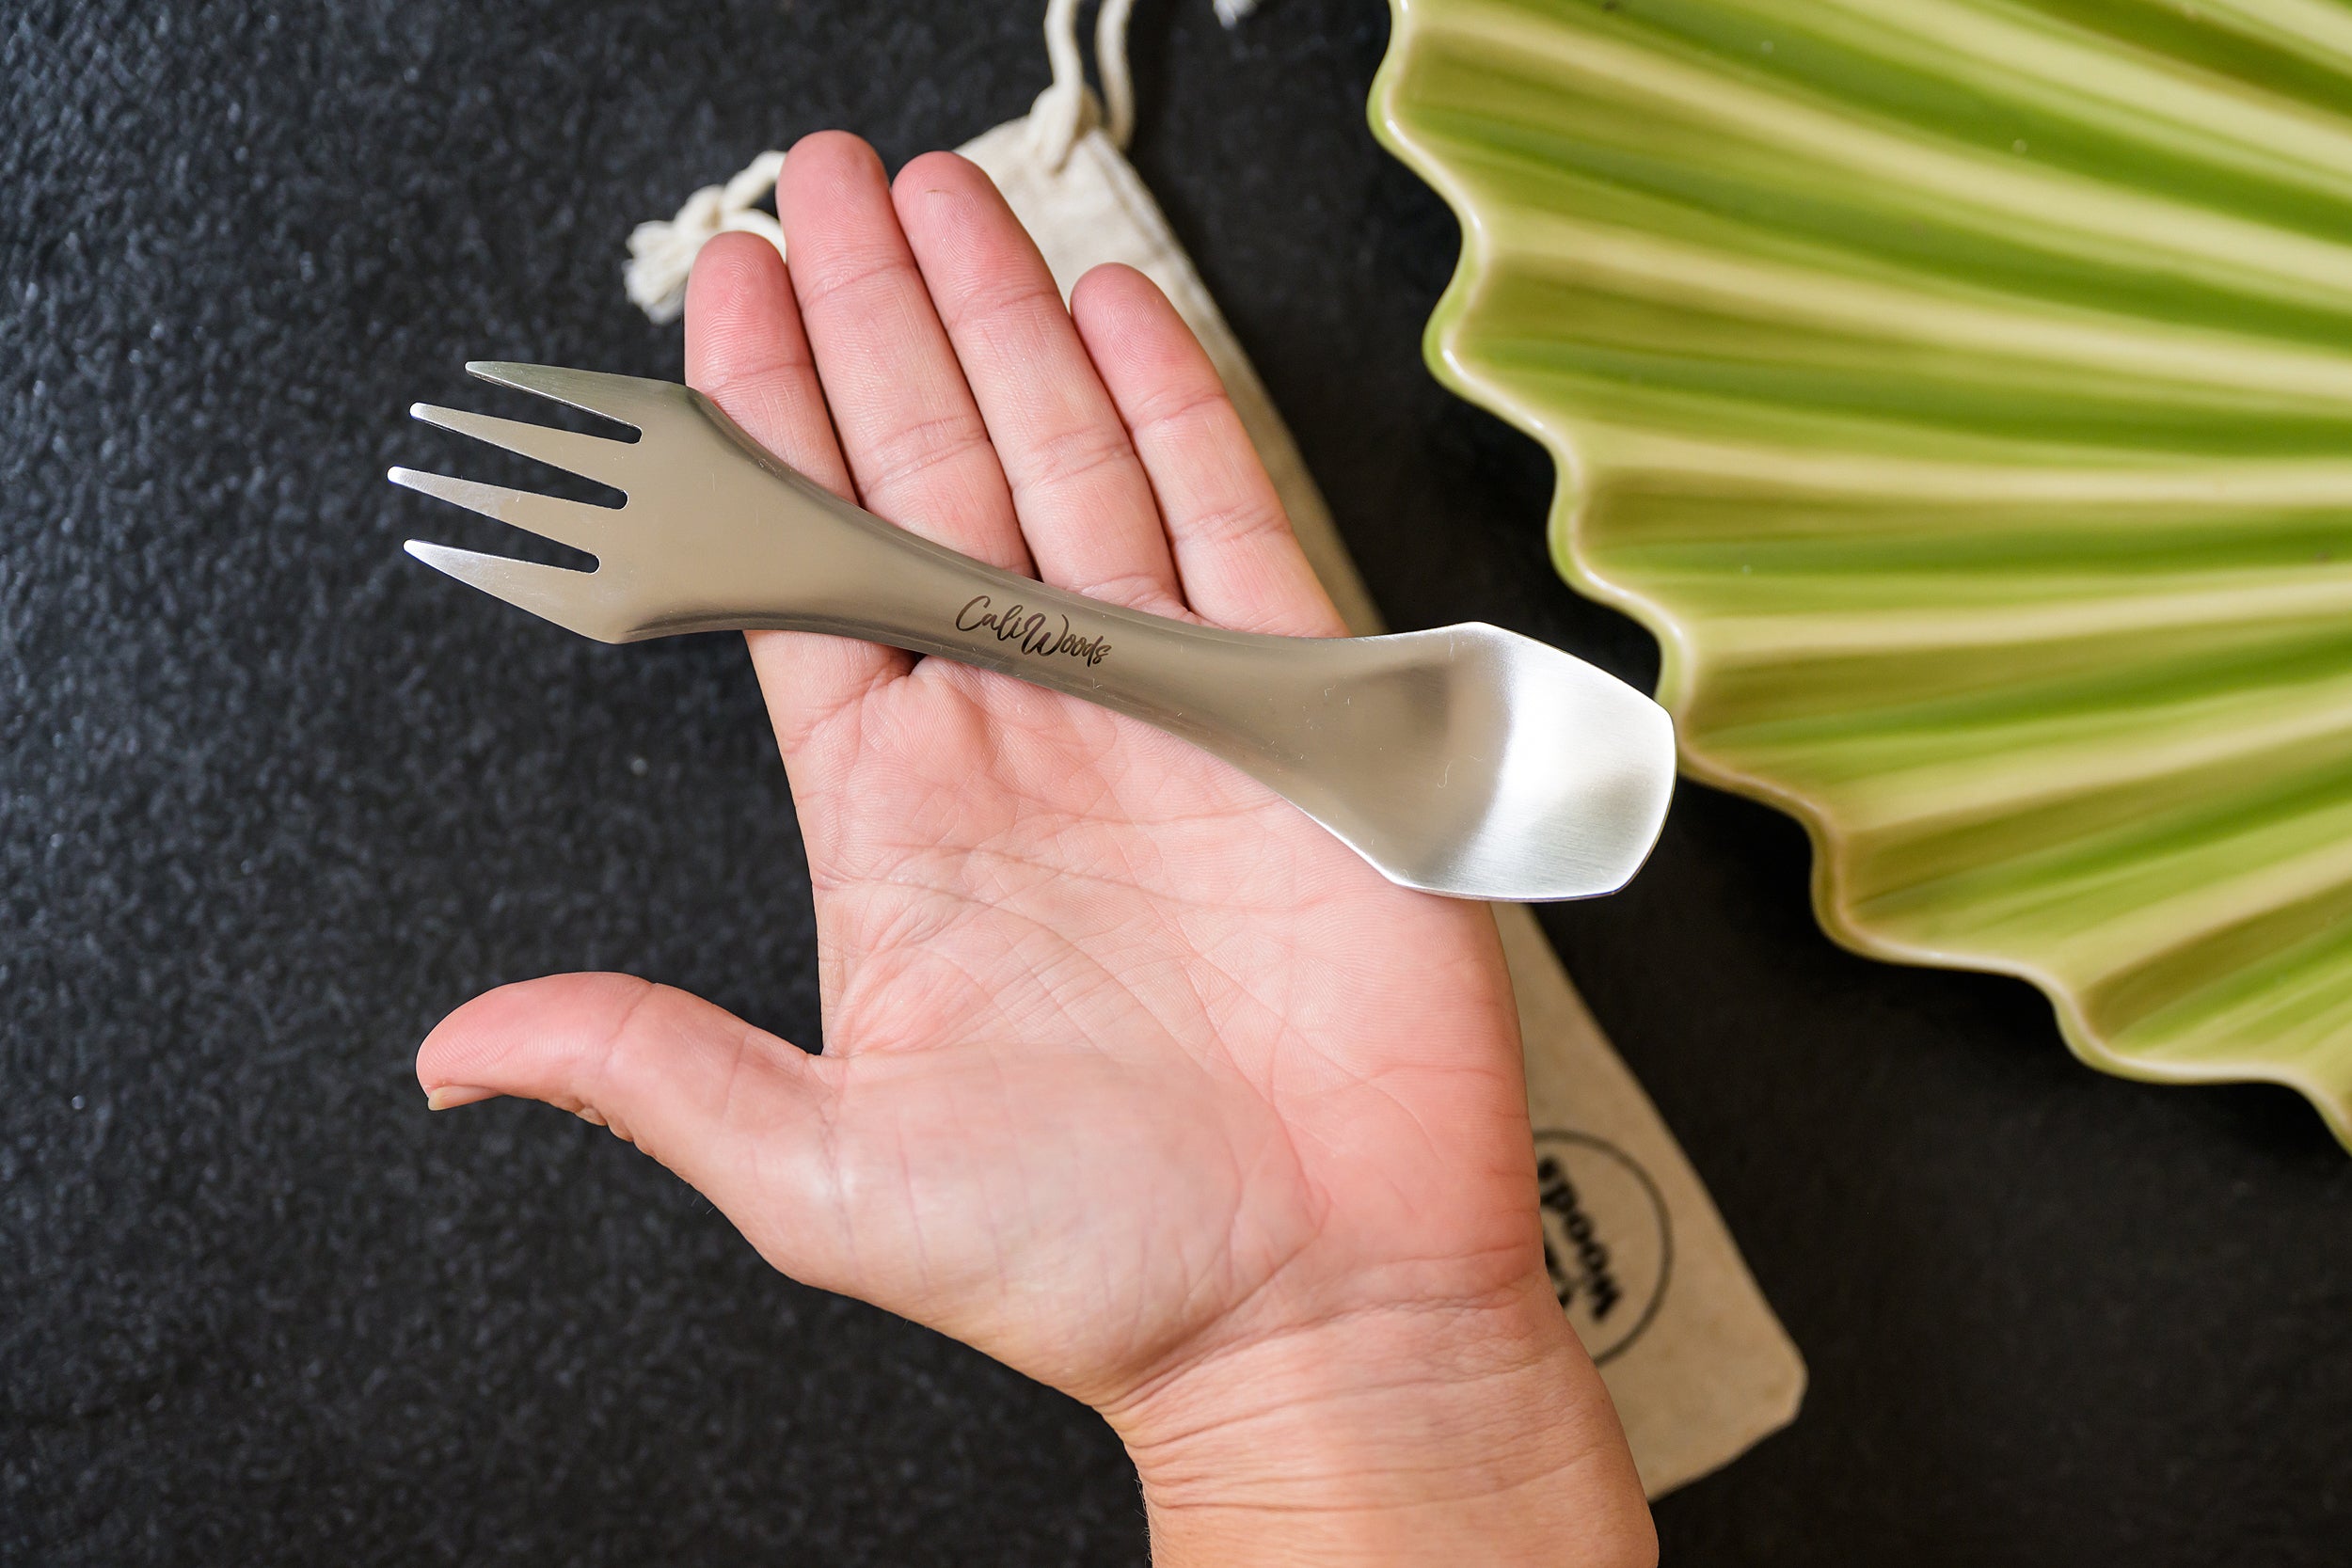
(1963, 392)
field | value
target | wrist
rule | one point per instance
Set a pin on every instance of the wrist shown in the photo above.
(1386, 1437)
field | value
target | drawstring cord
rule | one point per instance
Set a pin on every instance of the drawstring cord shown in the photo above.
(661, 255)
(1067, 110)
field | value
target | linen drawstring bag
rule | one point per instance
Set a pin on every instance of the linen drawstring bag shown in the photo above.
(1698, 1366)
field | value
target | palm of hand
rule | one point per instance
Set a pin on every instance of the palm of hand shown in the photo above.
(1129, 1066)
(1122, 1045)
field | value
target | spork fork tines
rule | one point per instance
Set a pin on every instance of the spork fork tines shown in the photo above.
(1465, 760)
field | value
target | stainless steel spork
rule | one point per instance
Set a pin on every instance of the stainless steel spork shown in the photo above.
(1466, 760)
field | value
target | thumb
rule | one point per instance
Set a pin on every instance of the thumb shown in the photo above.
(738, 1112)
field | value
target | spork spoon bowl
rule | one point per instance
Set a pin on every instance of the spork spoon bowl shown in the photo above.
(1465, 760)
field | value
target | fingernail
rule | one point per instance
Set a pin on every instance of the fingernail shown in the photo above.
(450, 1096)
(590, 1114)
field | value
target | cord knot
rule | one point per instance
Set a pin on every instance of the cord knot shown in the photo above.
(661, 255)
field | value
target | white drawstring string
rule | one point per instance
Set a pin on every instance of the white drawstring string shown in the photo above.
(661, 255)
(1065, 110)
(1110, 64)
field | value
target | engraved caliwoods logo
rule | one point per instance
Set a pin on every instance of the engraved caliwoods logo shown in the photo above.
(1032, 631)
(1607, 1242)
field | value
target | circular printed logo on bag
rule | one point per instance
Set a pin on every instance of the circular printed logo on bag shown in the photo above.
(1606, 1241)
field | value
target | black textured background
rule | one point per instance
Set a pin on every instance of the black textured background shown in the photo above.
(273, 797)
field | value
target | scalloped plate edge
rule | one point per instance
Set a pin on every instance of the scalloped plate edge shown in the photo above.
(1455, 309)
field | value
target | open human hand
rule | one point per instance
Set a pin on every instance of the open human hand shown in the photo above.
(1133, 1077)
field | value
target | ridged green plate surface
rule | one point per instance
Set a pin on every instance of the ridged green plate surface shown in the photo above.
(1963, 393)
